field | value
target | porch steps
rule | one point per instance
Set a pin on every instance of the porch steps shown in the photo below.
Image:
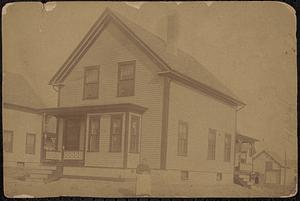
(243, 180)
(43, 173)
(38, 176)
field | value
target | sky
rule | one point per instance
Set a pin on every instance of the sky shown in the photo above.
(248, 46)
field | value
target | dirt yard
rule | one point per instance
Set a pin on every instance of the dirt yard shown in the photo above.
(97, 188)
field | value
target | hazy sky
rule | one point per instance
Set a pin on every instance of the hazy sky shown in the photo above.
(249, 46)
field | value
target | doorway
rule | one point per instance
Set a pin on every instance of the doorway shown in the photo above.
(73, 140)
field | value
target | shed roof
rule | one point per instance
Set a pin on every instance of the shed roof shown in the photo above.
(245, 138)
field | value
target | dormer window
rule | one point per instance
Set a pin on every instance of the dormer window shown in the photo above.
(91, 82)
(126, 78)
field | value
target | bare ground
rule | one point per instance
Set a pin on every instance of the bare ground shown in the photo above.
(97, 188)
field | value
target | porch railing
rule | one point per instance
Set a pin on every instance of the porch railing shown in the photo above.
(73, 155)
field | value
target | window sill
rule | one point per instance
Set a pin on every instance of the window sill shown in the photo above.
(181, 155)
(124, 96)
(133, 152)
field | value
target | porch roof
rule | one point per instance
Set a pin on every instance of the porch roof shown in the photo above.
(244, 138)
(81, 110)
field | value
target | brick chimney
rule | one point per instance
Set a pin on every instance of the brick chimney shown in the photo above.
(172, 32)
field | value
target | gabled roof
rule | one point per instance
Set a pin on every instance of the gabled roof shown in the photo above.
(181, 65)
(274, 156)
(17, 91)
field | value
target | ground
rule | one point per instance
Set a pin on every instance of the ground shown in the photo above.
(98, 188)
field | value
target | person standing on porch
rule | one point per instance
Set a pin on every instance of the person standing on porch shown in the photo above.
(143, 179)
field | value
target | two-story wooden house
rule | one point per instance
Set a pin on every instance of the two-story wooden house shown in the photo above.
(125, 94)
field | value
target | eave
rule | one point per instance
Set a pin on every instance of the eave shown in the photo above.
(202, 87)
(82, 110)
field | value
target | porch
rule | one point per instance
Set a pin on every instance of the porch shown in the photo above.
(92, 136)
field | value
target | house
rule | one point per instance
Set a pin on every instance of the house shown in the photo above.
(244, 151)
(22, 122)
(272, 169)
(125, 95)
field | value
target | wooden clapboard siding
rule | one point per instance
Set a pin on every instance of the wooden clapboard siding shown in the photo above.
(111, 47)
(20, 123)
(201, 112)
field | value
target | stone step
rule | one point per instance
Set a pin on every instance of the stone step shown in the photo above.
(38, 176)
(42, 167)
(40, 171)
(35, 180)
(245, 178)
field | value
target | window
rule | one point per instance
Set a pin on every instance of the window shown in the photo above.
(182, 138)
(269, 165)
(94, 133)
(219, 176)
(91, 82)
(8, 141)
(211, 144)
(134, 134)
(184, 175)
(30, 144)
(227, 151)
(51, 131)
(116, 133)
(126, 78)
(243, 157)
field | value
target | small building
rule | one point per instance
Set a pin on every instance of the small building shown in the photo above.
(244, 151)
(272, 169)
(22, 122)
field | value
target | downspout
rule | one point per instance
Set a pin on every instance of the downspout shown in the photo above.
(57, 89)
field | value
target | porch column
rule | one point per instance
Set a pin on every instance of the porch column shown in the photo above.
(125, 157)
(42, 151)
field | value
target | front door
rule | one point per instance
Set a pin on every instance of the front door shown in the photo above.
(72, 135)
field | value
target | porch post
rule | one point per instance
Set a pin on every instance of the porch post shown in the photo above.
(125, 157)
(42, 151)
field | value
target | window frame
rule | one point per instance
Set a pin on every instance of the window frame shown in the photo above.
(137, 140)
(120, 65)
(97, 117)
(269, 165)
(227, 148)
(90, 68)
(184, 175)
(180, 139)
(212, 132)
(116, 116)
(34, 144)
(11, 146)
(219, 176)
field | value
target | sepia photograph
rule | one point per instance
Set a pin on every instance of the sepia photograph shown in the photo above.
(149, 99)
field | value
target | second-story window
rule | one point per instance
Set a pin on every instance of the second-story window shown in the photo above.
(91, 82)
(126, 78)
